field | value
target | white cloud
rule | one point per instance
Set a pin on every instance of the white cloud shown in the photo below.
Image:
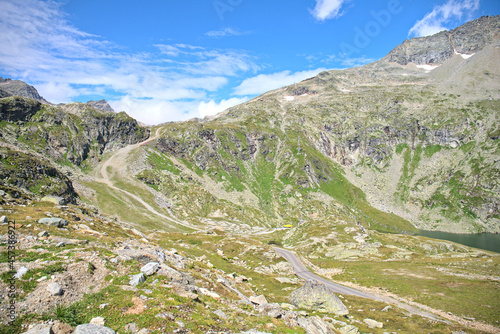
(327, 9)
(226, 32)
(265, 82)
(40, 46)
(440, 16)
(212, 108)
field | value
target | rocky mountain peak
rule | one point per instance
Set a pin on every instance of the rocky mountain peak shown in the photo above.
(19, 88)
(101, 105)
(467, 39)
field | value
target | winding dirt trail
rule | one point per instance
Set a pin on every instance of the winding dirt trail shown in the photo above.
(118, 164)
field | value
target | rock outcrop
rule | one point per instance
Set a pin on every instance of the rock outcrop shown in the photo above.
(20, 88)
(317, 297)
(436, 49)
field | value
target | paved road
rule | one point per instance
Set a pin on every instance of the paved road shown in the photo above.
(304, 273)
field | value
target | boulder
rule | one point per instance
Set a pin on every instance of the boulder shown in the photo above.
(4, 219)
(259, 300)
(21, 272)
(40, 329)
(150, 268)
(43, 234)
(55, 289)
(137, 279)
(316, 297)
(272, 310)
(93, 329)
(373, 323)
(59, 222)
(175, 276)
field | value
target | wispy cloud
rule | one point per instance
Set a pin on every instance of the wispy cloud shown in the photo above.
(265, 82)
(39, 45)
(327, 9)
(226, 32)
(441, 16)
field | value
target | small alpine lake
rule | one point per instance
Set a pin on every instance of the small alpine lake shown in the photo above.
(486, 241)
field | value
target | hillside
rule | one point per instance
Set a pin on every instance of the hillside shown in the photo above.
(173, 228)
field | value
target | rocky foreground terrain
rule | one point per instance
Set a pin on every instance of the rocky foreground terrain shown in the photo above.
(170, 229)
(80, 272)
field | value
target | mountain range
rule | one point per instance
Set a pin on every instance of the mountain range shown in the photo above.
(173, 228)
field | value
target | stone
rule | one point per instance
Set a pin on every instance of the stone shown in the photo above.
(316, 325)
(349, 329)
(144, 331)
(209, 293)
(40, 329)
(55, 289)
(165, 315)
(272, 310)
(93, 329)
(4, 219)
(137, 279)
(175, 276)
(61, 328)
(373, 323)
(221, 314)
(97, 321)
(132, 327)
(43, 234)
(259, 300)
(291, 318)
(21, 272)
(316, 297)
(150, 268)
(59, 222)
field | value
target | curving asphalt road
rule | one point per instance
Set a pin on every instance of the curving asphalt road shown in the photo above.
(304, 273)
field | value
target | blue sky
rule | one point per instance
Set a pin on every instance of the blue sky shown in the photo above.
(166, 60)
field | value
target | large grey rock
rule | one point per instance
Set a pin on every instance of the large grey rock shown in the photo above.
(259, 300)
(175, 276)
(55, 289)
(4, 219)
(150, 268)
(317, 297)
(93, 329)
(59, 222)
(40, 329)
(137, 279)
(21, 272)
(272, 310)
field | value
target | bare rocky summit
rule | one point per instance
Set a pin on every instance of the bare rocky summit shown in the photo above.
(436, 49)
(19, 88)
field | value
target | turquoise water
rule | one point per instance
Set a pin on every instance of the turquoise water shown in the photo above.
(486, 241)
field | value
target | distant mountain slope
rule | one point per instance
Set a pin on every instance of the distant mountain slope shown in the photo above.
(421, 142)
